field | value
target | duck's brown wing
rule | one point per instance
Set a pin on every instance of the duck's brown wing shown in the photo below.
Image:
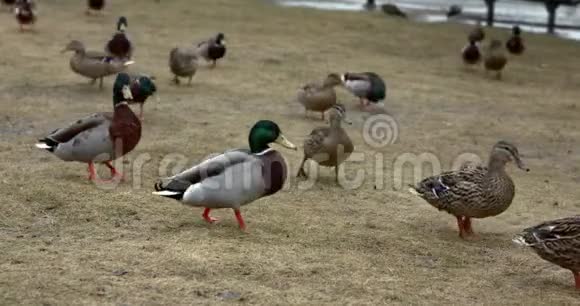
(65, 134)
(314, 143)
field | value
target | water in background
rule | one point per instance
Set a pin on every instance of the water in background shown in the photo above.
(434, 11)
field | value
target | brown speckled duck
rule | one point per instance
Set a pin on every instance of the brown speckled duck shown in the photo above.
(556, 241)
(495, 58)
(183, 63)
(212, 49)
(477, 34)
(101, 137)
(234, 178)
(120, 46)
(93, 64)
(471, 54)
(95, 6)
(319, 97)
(473, 191)
(25, 11)
(515, 44)
(328, 146)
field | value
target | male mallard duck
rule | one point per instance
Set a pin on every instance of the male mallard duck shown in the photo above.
(319, 97)
(515, 44)
(234, 178)
(142, 87)
(556, 241)
(212, 49)
(101, 137)
(328, 146)
(25, 11)
(471, 54)
(477, 34)
(120, 46)
(183, 63)
(93, 64)
(473, 192)
(95, 6)
(495, 59)
(367, 86)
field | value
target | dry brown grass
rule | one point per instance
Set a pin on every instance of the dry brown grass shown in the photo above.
(64, 241)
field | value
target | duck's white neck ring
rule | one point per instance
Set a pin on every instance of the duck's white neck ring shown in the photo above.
(264, 152)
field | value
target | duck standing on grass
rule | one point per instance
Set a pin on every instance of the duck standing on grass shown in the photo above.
(515, 44)
(495, 58)
(477, 34)
(95, 6)
(212, 49)
(556, 241)
(319, 97)
(234, 178)
(182, 63)
(120, 46)
(328, 146)
(93, 64)
(367, 86)
(473, 192)
(101, 137)
(25, 11)
(471, 54)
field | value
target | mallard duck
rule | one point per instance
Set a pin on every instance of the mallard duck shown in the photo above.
(25, 11)
(183, 63)
(120, 46)
(515, 44)
(471, 54)
(477, 34)
(212, 49)
(328, 146)
(95, 6)
(93, 64)
(234, 178)
(319, 97)
(100, 137)
(495, 59)
(142, 87)
(473, 191)
(556, 241)
(367, 86)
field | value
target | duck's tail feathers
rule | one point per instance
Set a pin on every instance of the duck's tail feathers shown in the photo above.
(520, 240)
(173, 189)
(414, 191)
(47, 144)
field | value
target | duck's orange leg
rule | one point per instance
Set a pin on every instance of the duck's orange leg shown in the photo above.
(114, 172)
(577, 279)
(240, 219)
(467, 226)
(92, 172)
(206, 216)
(461, 226)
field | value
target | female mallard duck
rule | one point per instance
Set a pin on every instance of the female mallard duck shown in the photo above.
(234, 178)
(25, 11)
(556, 241)
(495, 59)
(120, 46)
(515, 44)
(473, 192)
(95, 6)
(183, 63)
(212, 49)
(477, 34)
(142, 87)
(328, 146)
(471, 54)
(101, 137)
(92, 64)
(367, 86)
(319, 97)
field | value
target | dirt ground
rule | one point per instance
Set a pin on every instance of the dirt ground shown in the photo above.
(64, 241)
